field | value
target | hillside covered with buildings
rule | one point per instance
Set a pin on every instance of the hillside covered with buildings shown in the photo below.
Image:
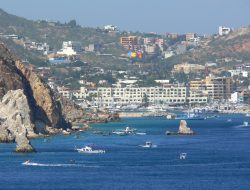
(104, 67)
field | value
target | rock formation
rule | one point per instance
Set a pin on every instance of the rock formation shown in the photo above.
(15, 120)
(28, 107)
(183, 129)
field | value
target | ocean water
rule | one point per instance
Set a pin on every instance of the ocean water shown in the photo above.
(218, 157)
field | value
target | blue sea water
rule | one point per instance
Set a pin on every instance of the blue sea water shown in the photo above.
(218, 157)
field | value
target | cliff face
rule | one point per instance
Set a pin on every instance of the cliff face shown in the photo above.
(47, 109)
(27, 105)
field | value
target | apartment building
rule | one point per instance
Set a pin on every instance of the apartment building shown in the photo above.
(70, 48)
(216, 88)
(188, 68)
(129, 42)
(190, 36)
(155, 95)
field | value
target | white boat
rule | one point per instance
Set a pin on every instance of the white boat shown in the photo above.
(148, 144)
(141, 133)
(245, 124)
(129, 130)
(183, 156)
(248, 115)
(229, 120)
(126, 131)
(90, 150)
(121, 133)
(28, 163)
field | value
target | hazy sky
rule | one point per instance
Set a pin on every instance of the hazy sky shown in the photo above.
(201, 16)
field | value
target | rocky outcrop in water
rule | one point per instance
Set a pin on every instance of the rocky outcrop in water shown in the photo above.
(183, 129)
(15, 120)
(28, 106)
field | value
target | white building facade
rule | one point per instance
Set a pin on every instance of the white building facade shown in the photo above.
(155, 95)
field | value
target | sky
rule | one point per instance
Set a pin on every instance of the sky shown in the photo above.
(161, 16)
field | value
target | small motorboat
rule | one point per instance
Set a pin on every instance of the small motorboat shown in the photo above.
(248, 115)
(245, 124)
(141, 133)
(121, 133)
(183, 156)
(148, 144)
(29, 163)
(129, 130)
(90, 150)
(126, 131)
(229, 120)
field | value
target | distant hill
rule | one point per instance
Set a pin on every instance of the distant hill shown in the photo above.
(53, 33)
(233, 48)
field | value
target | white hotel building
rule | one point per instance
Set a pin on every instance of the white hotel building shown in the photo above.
(156, 95)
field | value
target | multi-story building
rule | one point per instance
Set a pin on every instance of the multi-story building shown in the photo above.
(70, 48)
(224, 30)
(172, 35)
(216, 88)
(155, 95)
(150, 48)
(188, 68)
(190, 36)
(129, 42)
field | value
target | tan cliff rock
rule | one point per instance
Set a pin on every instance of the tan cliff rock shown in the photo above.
(183, 129)
(28, 106)
(47, 108)
(33, 109)
(15, 120)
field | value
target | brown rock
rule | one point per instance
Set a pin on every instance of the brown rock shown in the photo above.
(183, 129)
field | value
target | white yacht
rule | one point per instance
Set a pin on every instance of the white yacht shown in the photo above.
(245, 124)
(183, 156)
(148, 144)
(129, 130)
(126, 131)
(90, 150)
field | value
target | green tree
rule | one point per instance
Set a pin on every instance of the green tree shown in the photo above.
(145, 100)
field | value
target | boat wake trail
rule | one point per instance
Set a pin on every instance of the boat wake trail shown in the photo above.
(58, 165)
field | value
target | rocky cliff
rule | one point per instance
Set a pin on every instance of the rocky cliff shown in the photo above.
(183, 129)
(28, 106)
(15, 120)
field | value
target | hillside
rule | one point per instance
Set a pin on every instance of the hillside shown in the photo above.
(231, 49)
(54, 33)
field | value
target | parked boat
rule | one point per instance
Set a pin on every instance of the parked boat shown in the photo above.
(191, 117)
(90, 150)
(248, 115)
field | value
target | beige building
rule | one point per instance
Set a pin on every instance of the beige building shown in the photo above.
(128, 42)
(216, 88)
(188, 68)
(190, 36)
